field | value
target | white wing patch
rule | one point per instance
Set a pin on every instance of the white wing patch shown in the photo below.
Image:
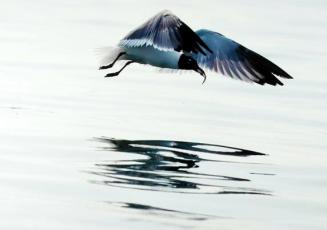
(143, 42)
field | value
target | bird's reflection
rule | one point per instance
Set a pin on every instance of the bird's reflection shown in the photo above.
(173, 166)
(163, 212)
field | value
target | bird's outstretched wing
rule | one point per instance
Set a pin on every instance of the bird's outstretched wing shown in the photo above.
(165, 31)
(234, 60)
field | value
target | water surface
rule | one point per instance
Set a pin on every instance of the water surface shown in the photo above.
(150, 150)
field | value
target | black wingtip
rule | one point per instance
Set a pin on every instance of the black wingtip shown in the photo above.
(273, 82)
(264, 67)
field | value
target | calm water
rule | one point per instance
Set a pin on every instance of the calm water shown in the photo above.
(150, 150)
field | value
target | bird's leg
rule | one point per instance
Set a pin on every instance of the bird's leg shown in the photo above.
(118, 72)
(112, 64)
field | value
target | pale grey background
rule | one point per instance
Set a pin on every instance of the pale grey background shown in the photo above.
(53, 101)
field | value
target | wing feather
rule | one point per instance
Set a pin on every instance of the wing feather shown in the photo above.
(234, 60)
(166, 31)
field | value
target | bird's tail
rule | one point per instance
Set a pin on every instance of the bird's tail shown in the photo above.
(107, 55)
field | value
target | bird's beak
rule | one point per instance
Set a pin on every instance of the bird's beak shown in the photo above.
(203, 74)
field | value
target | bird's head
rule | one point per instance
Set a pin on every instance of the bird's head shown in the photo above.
(188, 63)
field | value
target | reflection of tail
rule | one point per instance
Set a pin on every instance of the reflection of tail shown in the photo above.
(108, 54)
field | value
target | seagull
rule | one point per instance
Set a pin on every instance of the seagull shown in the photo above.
(165, 41)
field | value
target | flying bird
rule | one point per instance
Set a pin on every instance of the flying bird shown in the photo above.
(165, 41)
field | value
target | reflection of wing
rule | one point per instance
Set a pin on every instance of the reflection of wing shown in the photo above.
(234, 60)
(165, 31)
(168, 166)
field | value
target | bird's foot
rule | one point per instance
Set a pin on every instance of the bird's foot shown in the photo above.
(111, 74)
(105, 67)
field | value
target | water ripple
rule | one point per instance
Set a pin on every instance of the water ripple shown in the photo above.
(163, 212)
(173, 166)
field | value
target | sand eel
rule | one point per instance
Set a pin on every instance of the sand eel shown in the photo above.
(165, 41)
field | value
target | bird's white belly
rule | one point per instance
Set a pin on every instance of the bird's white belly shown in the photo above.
(152, 56)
